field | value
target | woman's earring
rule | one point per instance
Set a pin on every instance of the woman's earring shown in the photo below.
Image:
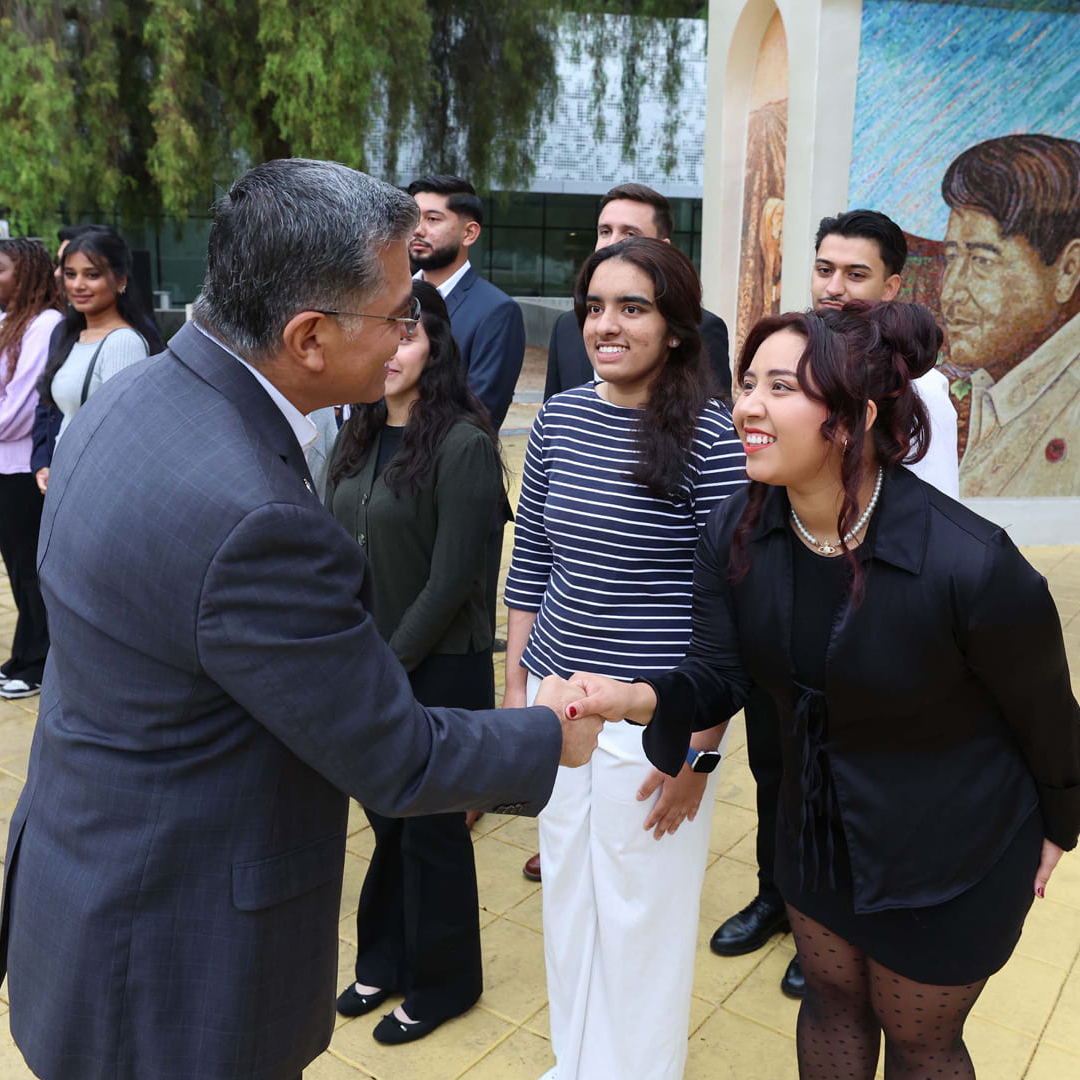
(122, 290)
(674, 343)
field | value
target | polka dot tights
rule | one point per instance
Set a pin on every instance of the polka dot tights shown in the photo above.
(851, 1000)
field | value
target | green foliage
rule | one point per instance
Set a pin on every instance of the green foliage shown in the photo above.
(145, 108)
(640, 26)
(492, 64)
(327, 64)
(35, 103)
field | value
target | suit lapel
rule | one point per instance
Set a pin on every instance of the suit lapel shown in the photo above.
(460, 291)
(260, 415)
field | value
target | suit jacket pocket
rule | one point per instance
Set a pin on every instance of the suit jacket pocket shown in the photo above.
(262, 883)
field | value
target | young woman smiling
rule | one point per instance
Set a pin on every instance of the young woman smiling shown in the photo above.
(32, 310)
(99, 338)
(619, 480)
(418, 480)
(928, 791)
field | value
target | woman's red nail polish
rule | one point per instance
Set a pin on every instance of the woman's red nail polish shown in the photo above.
(571, 712)
(1041, 892)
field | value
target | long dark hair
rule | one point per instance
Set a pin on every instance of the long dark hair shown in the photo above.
(105, 248)
(664, 432)
(861, 353)
(35, 291)
(445, 398)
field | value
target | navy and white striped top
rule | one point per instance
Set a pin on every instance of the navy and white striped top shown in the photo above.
(606, 566)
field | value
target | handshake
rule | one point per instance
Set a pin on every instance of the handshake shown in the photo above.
(585, 701)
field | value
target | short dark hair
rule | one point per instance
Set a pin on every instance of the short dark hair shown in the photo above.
(1029, 184)
(294, 234)
(868, 225)
(461, 195)
(642, 193)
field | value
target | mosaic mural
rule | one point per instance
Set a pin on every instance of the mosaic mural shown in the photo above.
(967, 134)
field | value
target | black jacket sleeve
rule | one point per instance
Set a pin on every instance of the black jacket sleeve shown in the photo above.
(1014, 645)
(710, 685)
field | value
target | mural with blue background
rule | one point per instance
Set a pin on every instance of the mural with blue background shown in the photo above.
(934, 80)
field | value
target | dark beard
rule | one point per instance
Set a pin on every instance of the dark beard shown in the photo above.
(435, 259)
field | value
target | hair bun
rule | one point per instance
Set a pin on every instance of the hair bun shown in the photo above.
(910, 332)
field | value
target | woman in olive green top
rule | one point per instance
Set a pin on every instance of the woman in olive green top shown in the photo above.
(418, 480)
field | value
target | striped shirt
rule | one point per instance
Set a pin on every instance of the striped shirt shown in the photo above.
(606, 566)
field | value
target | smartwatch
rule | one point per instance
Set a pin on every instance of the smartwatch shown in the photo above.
(703, 760)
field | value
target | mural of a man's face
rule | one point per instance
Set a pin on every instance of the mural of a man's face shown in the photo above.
(999, 298)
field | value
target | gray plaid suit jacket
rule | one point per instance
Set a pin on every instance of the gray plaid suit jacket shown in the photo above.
(215, 688)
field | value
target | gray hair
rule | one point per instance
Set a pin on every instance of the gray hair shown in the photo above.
(292, 235)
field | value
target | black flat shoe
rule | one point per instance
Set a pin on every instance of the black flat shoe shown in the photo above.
(750, 928)
(794, 982)
(391, 1031)
(351, 1002)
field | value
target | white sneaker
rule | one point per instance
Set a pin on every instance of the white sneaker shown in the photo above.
(19, 688)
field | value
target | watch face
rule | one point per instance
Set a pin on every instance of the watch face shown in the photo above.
(706, 761)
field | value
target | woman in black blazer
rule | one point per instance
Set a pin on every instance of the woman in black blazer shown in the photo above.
(931, 740)
(418, 480)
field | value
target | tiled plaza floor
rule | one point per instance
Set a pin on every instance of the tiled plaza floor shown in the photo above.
(1025, 1025)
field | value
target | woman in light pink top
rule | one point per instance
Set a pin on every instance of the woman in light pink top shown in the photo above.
(29, 296)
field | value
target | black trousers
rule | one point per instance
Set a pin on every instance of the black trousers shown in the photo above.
(20, 521)
(767, 765)
(418, 921)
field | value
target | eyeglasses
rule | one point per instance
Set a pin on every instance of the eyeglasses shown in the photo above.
(408, 322)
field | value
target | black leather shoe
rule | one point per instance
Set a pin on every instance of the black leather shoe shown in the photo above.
(794, 982)
(352, 1003)
(750, 928)
(393, 1032)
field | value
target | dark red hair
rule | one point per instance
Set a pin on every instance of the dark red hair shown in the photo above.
(861, 353)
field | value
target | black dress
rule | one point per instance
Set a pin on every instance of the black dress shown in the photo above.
(418, 919)
(958, 942)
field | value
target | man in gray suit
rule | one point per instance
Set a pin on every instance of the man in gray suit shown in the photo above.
(216, 688)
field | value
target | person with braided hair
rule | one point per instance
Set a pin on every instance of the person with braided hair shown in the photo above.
(927, 791)
(29, 296)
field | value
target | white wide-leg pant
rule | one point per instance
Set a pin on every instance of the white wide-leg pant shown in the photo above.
(620, 917)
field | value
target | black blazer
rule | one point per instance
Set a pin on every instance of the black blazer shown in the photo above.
(568, 362)
(947, 715)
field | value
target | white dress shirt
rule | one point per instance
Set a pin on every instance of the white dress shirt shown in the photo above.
(941, 466)
(447, 287)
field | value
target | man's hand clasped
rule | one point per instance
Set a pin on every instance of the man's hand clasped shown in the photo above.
(584, 702)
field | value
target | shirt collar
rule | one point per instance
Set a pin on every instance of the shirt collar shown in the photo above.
(447, 287)
(898, 529)
(302, 427)
(1019, 388)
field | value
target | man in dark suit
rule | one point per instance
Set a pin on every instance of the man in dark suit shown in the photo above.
(625, 211)
(488, 325)
(216, 687)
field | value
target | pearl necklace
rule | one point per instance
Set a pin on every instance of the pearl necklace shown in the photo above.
(823, 545)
